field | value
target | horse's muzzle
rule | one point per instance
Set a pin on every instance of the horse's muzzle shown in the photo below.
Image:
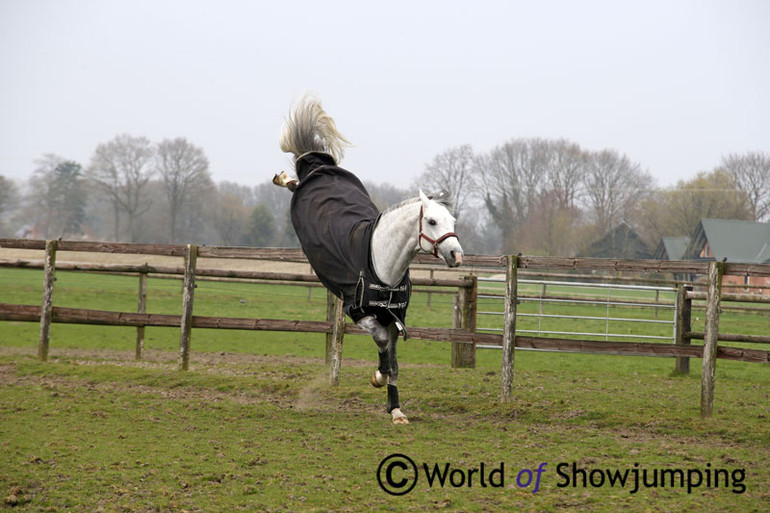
(455, 259)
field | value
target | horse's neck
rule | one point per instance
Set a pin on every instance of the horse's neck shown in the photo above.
(395, 242)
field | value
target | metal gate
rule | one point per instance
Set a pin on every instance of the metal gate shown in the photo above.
(609, 304)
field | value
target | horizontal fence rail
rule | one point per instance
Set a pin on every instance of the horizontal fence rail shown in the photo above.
(30, 313)
(219, 273)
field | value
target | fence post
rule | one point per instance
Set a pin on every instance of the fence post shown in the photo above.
(188, 292)
(683, 325)
(429, 294)
(142, 309)
(46, 311)
(716, 270)
(542, 296)
(464, 316)
(509, 327)
(338, 333)
(330, 311)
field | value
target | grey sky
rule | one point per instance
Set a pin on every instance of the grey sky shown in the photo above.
(672, 84)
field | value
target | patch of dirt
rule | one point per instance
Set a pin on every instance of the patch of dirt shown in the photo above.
(8, 376)
(312, 396)
(16, 497)
(216, 362)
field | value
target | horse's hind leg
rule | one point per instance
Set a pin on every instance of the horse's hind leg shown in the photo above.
(381, 337)
(282, 180)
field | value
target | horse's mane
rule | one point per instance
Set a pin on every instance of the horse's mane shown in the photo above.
(443, 198)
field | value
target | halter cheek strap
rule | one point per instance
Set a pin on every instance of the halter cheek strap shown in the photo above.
(433, 242)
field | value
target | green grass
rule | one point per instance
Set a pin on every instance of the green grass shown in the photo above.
(253, 425)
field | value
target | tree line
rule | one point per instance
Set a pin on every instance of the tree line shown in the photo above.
(134, 190)
(551, 197)
(529, 195)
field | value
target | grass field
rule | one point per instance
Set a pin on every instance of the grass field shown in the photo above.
(253, 426)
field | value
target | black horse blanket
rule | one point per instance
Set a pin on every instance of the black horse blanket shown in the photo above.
(334, 218)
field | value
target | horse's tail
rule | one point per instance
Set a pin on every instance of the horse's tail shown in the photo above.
(310, 128)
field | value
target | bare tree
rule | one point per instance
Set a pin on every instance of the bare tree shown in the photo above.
(550, 229)
(184, 171)
(8, 197)
(6, 190)
(233, 212)
(279, 202)
(566, 167)
(525, 178)
(510, 179)
(385, 194)
(751, 174)
(122, 168)
(613, 185)
(450, 170)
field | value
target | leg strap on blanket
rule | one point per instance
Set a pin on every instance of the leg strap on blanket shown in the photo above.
(400, 325)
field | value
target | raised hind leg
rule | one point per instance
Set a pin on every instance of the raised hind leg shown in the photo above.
(282, 180)
(382, 338)
(387, 372)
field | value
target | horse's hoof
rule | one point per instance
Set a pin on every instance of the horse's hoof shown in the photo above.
(398, 416)
(282, 180)
(379, 380)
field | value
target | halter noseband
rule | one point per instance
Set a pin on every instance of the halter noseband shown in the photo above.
(433, 242)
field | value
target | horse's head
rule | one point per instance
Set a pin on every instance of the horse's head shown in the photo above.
(437, 231)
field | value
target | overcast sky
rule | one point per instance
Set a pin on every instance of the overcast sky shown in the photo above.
(672, 84)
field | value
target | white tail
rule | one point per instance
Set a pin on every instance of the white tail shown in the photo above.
(310, 128)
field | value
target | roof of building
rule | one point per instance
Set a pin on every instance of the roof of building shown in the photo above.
(736, 241)
(622, 241)
(671, 248)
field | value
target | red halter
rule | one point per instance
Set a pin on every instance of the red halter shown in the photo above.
(436, 242)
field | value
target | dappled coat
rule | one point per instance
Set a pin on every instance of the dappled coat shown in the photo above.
(334, 218)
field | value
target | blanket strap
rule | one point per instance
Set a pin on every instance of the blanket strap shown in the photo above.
(384, 297)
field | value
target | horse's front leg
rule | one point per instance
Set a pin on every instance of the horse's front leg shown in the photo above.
(387, 372)
(394, 407)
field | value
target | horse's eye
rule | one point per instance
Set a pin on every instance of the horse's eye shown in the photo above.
(432, 222)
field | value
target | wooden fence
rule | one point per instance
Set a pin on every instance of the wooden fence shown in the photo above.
(334, 327)
(463, 335)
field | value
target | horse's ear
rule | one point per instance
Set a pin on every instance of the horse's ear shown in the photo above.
(424, 198)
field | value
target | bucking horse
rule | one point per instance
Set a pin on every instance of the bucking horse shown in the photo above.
(360, 254)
